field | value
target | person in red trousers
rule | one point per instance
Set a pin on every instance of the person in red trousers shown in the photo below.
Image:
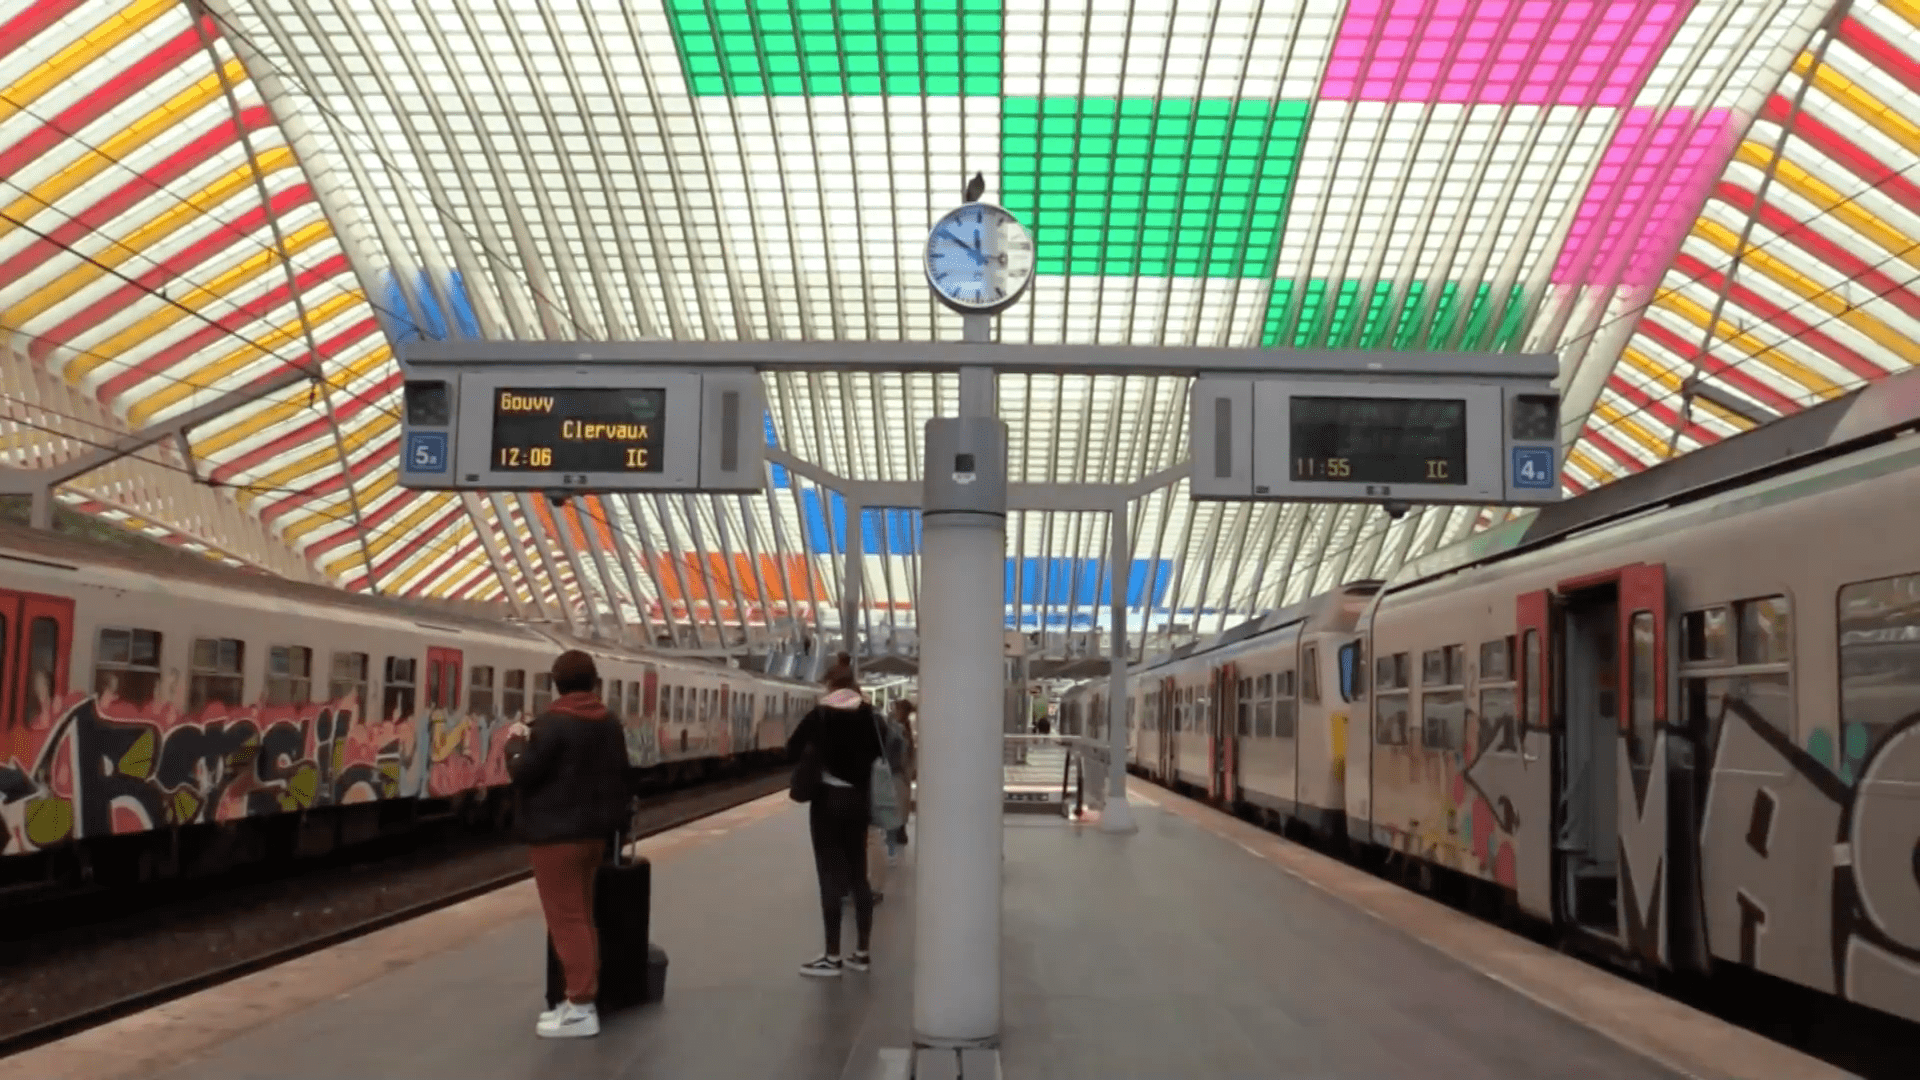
(569, 771)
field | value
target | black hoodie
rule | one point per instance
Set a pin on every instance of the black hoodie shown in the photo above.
(571, 773)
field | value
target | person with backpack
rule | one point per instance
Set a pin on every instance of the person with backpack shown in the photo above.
(844, 734)
(569, 773)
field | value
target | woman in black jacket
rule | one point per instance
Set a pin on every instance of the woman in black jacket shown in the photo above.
(569, 770)
(845, 731)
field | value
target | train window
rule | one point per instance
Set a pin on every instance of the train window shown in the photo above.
(1390, 672)
(1497, 732)
(127, 665)
(217, 673)
(1284, 712)
(1433, 668)
(513, 693)
(1456, 659)
(1310, 675)
(480, 690)
(1496, 660)
(1263, 714)
(1443, 719)
(1705, 637)
(1530, 667)
(542, 691)
(1879, 668)
(289, 675)
(347, 681)
(1766, 631)
(43, 664)
(633, 699)
(1353, 671)
(433, 683)
(1390, 718)
(1243, 709)
(1641, 664)
(396, 693)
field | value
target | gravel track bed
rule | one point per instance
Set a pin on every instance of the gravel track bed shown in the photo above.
(72, 971)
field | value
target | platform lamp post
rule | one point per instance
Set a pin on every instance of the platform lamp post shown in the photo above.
(979, 261)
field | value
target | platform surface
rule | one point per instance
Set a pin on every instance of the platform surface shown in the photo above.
(1178, 952)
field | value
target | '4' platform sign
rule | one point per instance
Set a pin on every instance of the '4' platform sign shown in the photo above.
(1533, 467)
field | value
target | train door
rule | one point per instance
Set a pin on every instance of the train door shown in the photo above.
(1169, 711)
(1223, 746)
(443, 679)
(36, 639)
(1607, 646)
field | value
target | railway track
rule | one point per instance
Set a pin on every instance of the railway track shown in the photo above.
(500, 866)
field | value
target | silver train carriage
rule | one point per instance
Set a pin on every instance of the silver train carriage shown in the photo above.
(145, 691)
(1685, 731)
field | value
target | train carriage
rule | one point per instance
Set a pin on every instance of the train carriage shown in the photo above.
(1678, 721)
(160, 712)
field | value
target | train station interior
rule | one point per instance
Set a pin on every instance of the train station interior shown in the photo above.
(1378, 524)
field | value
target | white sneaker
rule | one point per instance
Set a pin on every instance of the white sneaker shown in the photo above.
(570, 1021)
(548, 1016)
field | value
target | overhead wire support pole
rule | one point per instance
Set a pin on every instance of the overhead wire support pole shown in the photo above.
(1117, 815)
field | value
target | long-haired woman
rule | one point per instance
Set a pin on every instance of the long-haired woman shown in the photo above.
(845, 731)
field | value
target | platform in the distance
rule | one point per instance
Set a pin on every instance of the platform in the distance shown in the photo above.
(1181, 951)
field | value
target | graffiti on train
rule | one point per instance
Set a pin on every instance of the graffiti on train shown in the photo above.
(1808, 869)
(99, 766)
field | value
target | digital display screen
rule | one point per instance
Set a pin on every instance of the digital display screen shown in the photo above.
(1365, 440)
(578, 429)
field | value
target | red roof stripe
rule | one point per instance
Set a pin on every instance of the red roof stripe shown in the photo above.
(178, 164)
(29, 24)
(119, 89)
(1786, 322)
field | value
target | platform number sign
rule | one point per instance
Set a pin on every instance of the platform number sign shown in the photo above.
(427, 451)
(1533, 467)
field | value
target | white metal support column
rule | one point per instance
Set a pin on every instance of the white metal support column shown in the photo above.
(956, 978)
(1117, 816)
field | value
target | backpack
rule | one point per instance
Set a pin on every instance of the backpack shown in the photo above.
(883, 802)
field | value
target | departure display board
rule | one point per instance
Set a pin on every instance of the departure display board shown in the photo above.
(578, 429)
(1378, 440)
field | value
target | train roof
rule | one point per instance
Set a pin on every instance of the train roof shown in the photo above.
(1872, 414)
(75, 551)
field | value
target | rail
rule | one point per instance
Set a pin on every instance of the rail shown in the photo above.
(1061, 774)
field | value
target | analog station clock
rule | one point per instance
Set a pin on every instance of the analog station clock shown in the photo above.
(979, 259)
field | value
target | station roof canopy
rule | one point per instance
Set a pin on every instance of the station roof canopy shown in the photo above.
(1706, 208)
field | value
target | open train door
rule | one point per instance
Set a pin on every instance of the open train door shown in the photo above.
(1600, 680)
(1222, 746)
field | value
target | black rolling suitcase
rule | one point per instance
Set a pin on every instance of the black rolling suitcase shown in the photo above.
(632, 970)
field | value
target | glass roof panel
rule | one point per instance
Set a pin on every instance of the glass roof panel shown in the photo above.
(1379, 174)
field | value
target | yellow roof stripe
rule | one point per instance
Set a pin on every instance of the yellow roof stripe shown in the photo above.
(1816, 294)
(294, 402)
(322, 458)
(1906, 9)
(1831, 202)
(1620, 422)
(193, 210)
(1587, 463)
(64, 64)
(389, 535)
(109, 153)
(1888, 121)
(369, 492)
(1726, 330)
(201, 295)
(1668, 378)
(428, 559)
(258, 347)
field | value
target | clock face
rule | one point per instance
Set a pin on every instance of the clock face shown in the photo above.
(979, 259)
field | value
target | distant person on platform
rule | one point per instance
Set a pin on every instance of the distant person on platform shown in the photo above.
(569, 769)
(846, 731)
(1042, 726)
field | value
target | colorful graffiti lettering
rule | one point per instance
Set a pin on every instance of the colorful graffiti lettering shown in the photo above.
(97, 765)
